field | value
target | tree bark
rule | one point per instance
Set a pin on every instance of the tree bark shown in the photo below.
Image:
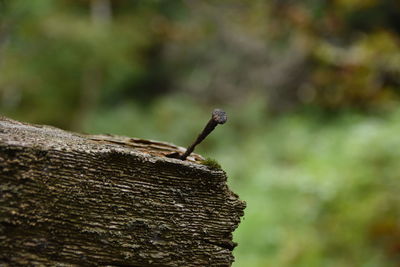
(68, 199)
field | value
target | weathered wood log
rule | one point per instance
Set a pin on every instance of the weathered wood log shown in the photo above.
(68, 199)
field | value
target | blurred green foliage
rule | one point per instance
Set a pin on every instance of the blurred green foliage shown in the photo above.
(311, 89)
(318, 193)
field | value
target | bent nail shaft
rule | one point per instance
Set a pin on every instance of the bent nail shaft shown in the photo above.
(218, 117)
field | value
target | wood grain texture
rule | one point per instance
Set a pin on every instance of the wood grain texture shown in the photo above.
(68, 199)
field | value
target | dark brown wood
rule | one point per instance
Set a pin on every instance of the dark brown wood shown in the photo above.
(68, 199)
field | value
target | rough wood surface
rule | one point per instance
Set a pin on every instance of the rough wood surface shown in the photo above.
(68, 199)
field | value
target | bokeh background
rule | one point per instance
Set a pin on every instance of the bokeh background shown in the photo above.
(312, 89)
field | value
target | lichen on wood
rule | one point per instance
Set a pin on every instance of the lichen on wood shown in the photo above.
(71, 199)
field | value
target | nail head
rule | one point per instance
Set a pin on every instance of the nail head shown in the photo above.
(219, 116)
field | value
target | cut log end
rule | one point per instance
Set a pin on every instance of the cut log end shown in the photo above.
(73, 199)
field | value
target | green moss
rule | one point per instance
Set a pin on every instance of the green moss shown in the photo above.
(212, 163)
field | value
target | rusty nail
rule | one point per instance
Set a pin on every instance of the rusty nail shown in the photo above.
(218, 117)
